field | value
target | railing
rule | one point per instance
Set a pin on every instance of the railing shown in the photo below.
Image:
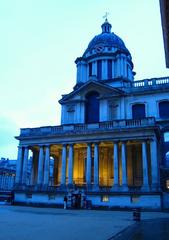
(153, 82)
(79, 128)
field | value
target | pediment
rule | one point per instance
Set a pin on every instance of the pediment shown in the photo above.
(102, 88)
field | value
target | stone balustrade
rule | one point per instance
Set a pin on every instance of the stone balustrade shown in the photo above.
(52, 130)
(153, 82)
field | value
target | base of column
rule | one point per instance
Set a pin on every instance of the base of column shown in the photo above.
(145, 188)
(115, 188)
(62, 187)
(155, 188)
(89, 187)
(124, 188)
(70, 186)
(95, 188)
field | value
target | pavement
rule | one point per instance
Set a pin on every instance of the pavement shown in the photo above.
(30, 223)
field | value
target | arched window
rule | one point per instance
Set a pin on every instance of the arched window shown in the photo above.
(164, 109)
(92, 107)
(138, 111)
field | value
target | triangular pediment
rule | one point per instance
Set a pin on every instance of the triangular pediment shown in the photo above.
(102, 88)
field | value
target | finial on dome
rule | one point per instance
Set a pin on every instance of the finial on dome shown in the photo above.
(106, 26)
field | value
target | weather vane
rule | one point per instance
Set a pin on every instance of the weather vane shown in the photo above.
(105, 16)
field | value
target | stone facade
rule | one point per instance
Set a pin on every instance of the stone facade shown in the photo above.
(112, 141)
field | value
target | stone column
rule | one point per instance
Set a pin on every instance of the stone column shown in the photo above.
(89, 165)
(19, 165)
(25, 164)
(63, 168)
(124, 167)
(40, 166)
(94, 68)
(154, 165)
(70, 165)
(121, 65)
(113, 69)
(46, 166)
(116, 167)
(145, 186)
(104, 69)
(96, 166)
(118, 66)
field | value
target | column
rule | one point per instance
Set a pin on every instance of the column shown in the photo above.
(40, 166)
(124, 167)
(116, 167)
(154, 165)
(104, 69)
(46, 167)
(89, 164)
(25, 164)
(113, 68)
(63, 168)
(70, 165)
(96, 166)
(145, 167)
(19, 165)
(121, 65)
(94, 68)
(118, 66)
(125, 66)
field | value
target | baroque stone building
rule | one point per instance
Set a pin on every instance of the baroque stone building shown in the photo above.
(113, 142)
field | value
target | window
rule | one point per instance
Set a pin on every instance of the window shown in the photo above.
(164, 109)
(92, 107)
(105, 198)
(99, 69)
(138, 111)
(90, 69)
(167, 184)
(109, 67)
(166, 137)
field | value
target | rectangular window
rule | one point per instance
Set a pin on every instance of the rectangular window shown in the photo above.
(167, 184)
(99, 69)
(90, 69)
(134, 199)
(109, 69)
(105, 198)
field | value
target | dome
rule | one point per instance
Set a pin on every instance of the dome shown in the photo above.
(106, 39)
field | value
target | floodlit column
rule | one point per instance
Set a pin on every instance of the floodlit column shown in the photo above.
(25, 164)
(70, 165)
(124, 166)
(116, 167)
(89, 164)
(40, 166)
(154, 165)
(145, 167)
(96, 165)
(46, 167)
(63, 169)
(19, 165)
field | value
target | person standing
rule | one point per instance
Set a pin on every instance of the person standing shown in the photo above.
(65, 202)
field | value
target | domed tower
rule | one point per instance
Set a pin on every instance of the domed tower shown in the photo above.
(105, 59)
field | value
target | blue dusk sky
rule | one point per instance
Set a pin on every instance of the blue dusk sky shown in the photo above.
(40, 40)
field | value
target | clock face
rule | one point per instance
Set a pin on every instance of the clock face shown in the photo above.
(99, 48)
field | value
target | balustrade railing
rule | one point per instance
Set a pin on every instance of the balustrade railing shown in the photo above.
(126, 123)
(151, 82)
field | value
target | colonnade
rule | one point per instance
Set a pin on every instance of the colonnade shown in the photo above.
(68, 162)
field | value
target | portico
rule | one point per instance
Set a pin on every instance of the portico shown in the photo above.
(117, 164)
